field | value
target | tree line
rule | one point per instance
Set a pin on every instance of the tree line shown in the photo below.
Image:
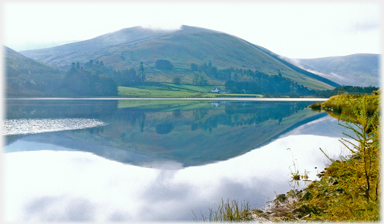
(96, 79)
(248, 81)
(346, 89)
(88, 80)
(126, 77)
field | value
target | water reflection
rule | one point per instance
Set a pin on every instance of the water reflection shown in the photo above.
(54, 186)
(188, 132)
(159, 161)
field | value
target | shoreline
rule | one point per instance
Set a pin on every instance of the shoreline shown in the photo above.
(186, 99)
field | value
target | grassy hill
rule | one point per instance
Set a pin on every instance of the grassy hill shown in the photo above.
(129, 47)
(26, 76)
(355, 70)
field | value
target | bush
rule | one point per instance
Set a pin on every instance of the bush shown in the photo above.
(176, 80)
(163, 64)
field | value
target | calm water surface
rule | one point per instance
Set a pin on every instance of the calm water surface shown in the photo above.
(155, 160)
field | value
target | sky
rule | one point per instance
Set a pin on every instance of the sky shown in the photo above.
(293, 29)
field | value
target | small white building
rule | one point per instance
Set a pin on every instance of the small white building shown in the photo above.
(215, 90)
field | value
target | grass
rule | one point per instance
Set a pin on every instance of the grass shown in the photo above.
(228, 211)
(170, 90)
(345, 103)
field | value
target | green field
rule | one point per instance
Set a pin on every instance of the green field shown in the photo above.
(170, 90)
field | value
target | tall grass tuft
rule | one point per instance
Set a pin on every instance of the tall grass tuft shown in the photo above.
(228, 211)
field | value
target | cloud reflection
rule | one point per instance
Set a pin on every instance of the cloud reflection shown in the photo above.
(56, 186)
(58, 209)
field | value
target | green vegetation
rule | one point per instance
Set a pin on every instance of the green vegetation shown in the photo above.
(29, 77)
(346, 89)
(126, 77)
(95, 78)
(26, 77)
(140, 57)
(135, 58)
(166, 55)
(346, 104)
(248, 81)
(163, 64)
(87, 81)
(349, 188)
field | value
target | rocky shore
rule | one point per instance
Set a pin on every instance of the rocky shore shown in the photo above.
(284, 208)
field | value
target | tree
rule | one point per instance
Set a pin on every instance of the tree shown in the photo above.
(163, 64)
(176, 80)
(132, 74)
(141, 72)
(200, 78)
(77, 65)
(194, 67)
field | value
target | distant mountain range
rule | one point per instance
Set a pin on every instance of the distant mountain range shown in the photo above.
(355, 70)
(129, 47)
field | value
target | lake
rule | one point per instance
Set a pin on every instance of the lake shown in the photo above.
(156, 159)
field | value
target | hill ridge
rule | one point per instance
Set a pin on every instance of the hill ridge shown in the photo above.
(129, 47)
(360, 69)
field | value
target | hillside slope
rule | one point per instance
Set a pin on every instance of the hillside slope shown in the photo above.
(25, 76)
(129, 47)
(355, 70)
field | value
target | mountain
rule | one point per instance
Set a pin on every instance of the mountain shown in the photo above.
(129, 47)
(355, 70)
(25, 76)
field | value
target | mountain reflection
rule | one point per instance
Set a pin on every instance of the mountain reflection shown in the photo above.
(140, 132)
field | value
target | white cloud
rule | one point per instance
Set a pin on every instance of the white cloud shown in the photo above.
(290, 29)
